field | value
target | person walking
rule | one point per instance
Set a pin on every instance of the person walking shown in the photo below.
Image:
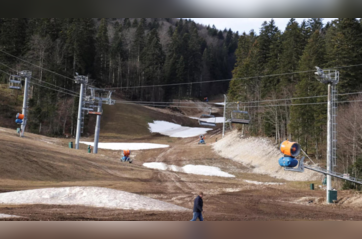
(198, 204)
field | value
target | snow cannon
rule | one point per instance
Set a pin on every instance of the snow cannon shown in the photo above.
(126, 152)
(18, 121)
(19, 116)
(290, 148)
(288, 162)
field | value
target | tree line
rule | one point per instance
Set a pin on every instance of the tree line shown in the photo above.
(125, 53)
(299, 48)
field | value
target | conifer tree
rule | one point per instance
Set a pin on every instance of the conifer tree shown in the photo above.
(306, 120)
(102, 50)
(344, 47)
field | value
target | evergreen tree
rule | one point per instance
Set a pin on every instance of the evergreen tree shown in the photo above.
(153, 59)
(102, 50)
(306, 120)
(135, 23)
(126, 23)
(344, 45)
(80, 45)
(13, 37)
(293, 45)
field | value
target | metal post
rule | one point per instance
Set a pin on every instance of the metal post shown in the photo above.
(25, 106)
(223, 123)
(98, 125)
(329, 142)
(79, 120)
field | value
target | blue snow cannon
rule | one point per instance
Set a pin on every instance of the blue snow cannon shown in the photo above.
(288, 162)
(18, 121)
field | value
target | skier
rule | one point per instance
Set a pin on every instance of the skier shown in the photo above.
(126, 154)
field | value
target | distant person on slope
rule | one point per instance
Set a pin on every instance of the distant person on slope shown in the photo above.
(126, 154)
(206, 99)
(202, 139)
(198, 204)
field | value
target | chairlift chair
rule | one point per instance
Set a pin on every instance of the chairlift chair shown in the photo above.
(15, 82)
(207, 120)
(240, 117)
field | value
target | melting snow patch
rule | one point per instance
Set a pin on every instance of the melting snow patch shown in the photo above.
(217, 120)
(221, 103)
(88, 196)
(190, 169)
(262, 183)
(6, 215)
(175, 130)
(159, 166)
(130, 146)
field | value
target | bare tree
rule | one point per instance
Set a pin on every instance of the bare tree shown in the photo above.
(350, 132)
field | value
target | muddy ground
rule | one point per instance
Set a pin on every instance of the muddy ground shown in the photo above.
(38, 162)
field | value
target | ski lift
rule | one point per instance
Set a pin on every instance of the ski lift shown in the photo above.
(207, 120)
(15, 82)
(240, 117)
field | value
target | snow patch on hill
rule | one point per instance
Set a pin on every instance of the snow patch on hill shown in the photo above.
(176, 130)
(191, 169)
(88, 196)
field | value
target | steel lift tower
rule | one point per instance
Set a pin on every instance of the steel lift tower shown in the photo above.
(15, 83)
(104, 97)
(83, 81)
(331, 78)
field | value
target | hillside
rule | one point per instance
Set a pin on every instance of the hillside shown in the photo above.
(10, 104)
(126, 54)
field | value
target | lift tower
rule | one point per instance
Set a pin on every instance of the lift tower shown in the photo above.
(330, 77)
(83, 81)
(104, 97)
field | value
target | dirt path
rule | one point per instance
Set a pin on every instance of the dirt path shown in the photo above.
(33, 163)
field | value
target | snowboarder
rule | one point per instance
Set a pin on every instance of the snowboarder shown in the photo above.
(202, 139)
(126, 154)
(198, 204)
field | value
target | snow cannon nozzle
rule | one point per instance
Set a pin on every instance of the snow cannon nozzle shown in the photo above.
(291, 149)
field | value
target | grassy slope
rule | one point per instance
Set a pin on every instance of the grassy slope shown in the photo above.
(131, 121)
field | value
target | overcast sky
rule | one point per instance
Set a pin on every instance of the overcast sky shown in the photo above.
(246, 24)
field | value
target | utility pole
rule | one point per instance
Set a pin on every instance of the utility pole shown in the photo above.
(27, 77)
(82, 80)
(330, 77)
(223, 123)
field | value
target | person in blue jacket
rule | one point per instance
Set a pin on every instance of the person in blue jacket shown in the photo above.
(198, 204)
(202, 139)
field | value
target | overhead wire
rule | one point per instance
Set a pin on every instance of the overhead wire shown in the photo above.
(224, 80)
(31, 82)
(37, 65)
(256, 106)
(40, 81)
(182, 83)
(243, 102)
(203, 82)
(188, 83)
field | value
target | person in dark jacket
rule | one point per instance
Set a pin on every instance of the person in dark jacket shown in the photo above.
(198, 204)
